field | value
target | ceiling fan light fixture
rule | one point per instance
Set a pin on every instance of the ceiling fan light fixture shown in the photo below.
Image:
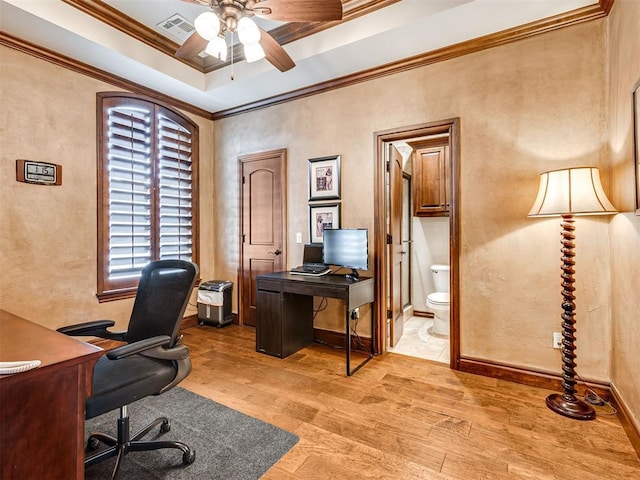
(217, 48)
(248, 31)
(207, 25)
(253, 52)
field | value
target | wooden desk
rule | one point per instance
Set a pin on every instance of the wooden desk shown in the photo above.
(42, 410)
(284, 310)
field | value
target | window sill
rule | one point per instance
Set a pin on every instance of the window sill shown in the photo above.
(124, 293)
(113, 295)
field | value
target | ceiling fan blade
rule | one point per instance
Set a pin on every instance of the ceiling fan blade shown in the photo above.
(192, 46)
(274, 53)
(299, 10)
(199, 2)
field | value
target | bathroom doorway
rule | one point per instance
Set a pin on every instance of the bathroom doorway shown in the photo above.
(407, 245)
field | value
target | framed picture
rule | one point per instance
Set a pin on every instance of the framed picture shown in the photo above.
(322, 216)
(636, 142)
(324, 178)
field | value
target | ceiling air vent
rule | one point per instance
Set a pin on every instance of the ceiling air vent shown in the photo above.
(177, 26)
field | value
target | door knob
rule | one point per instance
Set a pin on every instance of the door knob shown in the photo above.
(277, 252)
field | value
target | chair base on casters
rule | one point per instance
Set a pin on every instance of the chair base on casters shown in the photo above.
(121, 446)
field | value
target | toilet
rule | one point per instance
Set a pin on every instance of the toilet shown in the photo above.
(439, 301)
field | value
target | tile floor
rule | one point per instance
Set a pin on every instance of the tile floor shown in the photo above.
(417, 341)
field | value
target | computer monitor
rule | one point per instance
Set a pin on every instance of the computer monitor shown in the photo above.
(312, 254)
(346, 247)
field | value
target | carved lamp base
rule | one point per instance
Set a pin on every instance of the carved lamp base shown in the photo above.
(570, 406)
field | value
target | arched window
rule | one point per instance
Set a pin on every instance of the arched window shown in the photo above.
(147, 189)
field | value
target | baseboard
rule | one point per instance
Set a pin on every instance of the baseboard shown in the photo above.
(420, 313)
(339, 339)
(527, 377)
(632, 430)
(189, 321)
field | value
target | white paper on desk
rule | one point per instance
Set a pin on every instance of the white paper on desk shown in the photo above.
(210, 298)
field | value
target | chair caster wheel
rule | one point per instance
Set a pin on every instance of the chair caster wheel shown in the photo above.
(188, 457)
(165, 426)
(92, 445)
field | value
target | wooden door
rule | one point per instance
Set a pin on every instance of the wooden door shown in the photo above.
(430, 173)
(262, 229)
(407, 242)
(395, 245)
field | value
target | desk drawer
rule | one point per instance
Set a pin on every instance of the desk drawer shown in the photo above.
(269, 285)
(314, 289)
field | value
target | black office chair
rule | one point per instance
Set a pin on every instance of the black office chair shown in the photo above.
(153, 361)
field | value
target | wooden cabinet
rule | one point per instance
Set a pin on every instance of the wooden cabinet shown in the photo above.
(284, 321)
(431, 195)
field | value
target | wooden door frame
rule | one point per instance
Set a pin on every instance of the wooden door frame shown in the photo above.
(252, 157)
(452, 127)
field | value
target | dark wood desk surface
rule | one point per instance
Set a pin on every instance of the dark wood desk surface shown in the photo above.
(354, 292)
(21, 339)
(42, 410)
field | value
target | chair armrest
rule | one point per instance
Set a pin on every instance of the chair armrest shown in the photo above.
(138, 347)
(180, 355)
(178, 352)
(96, 328)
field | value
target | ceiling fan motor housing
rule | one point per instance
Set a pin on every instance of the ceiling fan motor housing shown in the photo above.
(231, 11)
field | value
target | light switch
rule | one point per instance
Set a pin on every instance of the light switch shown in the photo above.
(298, 237)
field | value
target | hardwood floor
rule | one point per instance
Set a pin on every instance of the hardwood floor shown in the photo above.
(401, 418)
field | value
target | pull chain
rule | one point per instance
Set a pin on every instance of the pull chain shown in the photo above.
(232, 49)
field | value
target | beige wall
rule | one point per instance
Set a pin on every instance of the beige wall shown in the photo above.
(624, 36)
(526, 107)
(48, 234)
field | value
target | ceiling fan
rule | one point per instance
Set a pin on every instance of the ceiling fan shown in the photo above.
(234, 16)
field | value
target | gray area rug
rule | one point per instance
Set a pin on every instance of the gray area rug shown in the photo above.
(229, 445)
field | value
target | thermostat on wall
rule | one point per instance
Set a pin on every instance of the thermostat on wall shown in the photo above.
(42, 173)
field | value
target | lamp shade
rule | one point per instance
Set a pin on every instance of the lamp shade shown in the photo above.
(571, 191)
(248, 31)
(253, 52)
(207, 25)
(218, 48)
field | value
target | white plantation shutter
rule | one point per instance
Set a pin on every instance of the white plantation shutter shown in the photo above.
(175, 187)
(147, 191)
(130, 192)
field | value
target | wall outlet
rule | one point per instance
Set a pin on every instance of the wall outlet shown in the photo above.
(557, 340)
(298, 237)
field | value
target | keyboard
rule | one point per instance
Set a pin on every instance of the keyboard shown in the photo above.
(309, 270)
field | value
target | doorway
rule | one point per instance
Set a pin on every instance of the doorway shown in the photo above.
(262, 226)
(390, 251)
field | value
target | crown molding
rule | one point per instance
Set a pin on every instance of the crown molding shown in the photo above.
(118, 20)
(93, 72)
(581, 15)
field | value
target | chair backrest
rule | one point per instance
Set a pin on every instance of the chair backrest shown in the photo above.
(163, 293)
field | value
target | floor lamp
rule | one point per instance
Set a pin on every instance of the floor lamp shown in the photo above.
(568, 192)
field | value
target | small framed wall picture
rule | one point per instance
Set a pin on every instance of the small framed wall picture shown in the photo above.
(324, 178)
(321, 217)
